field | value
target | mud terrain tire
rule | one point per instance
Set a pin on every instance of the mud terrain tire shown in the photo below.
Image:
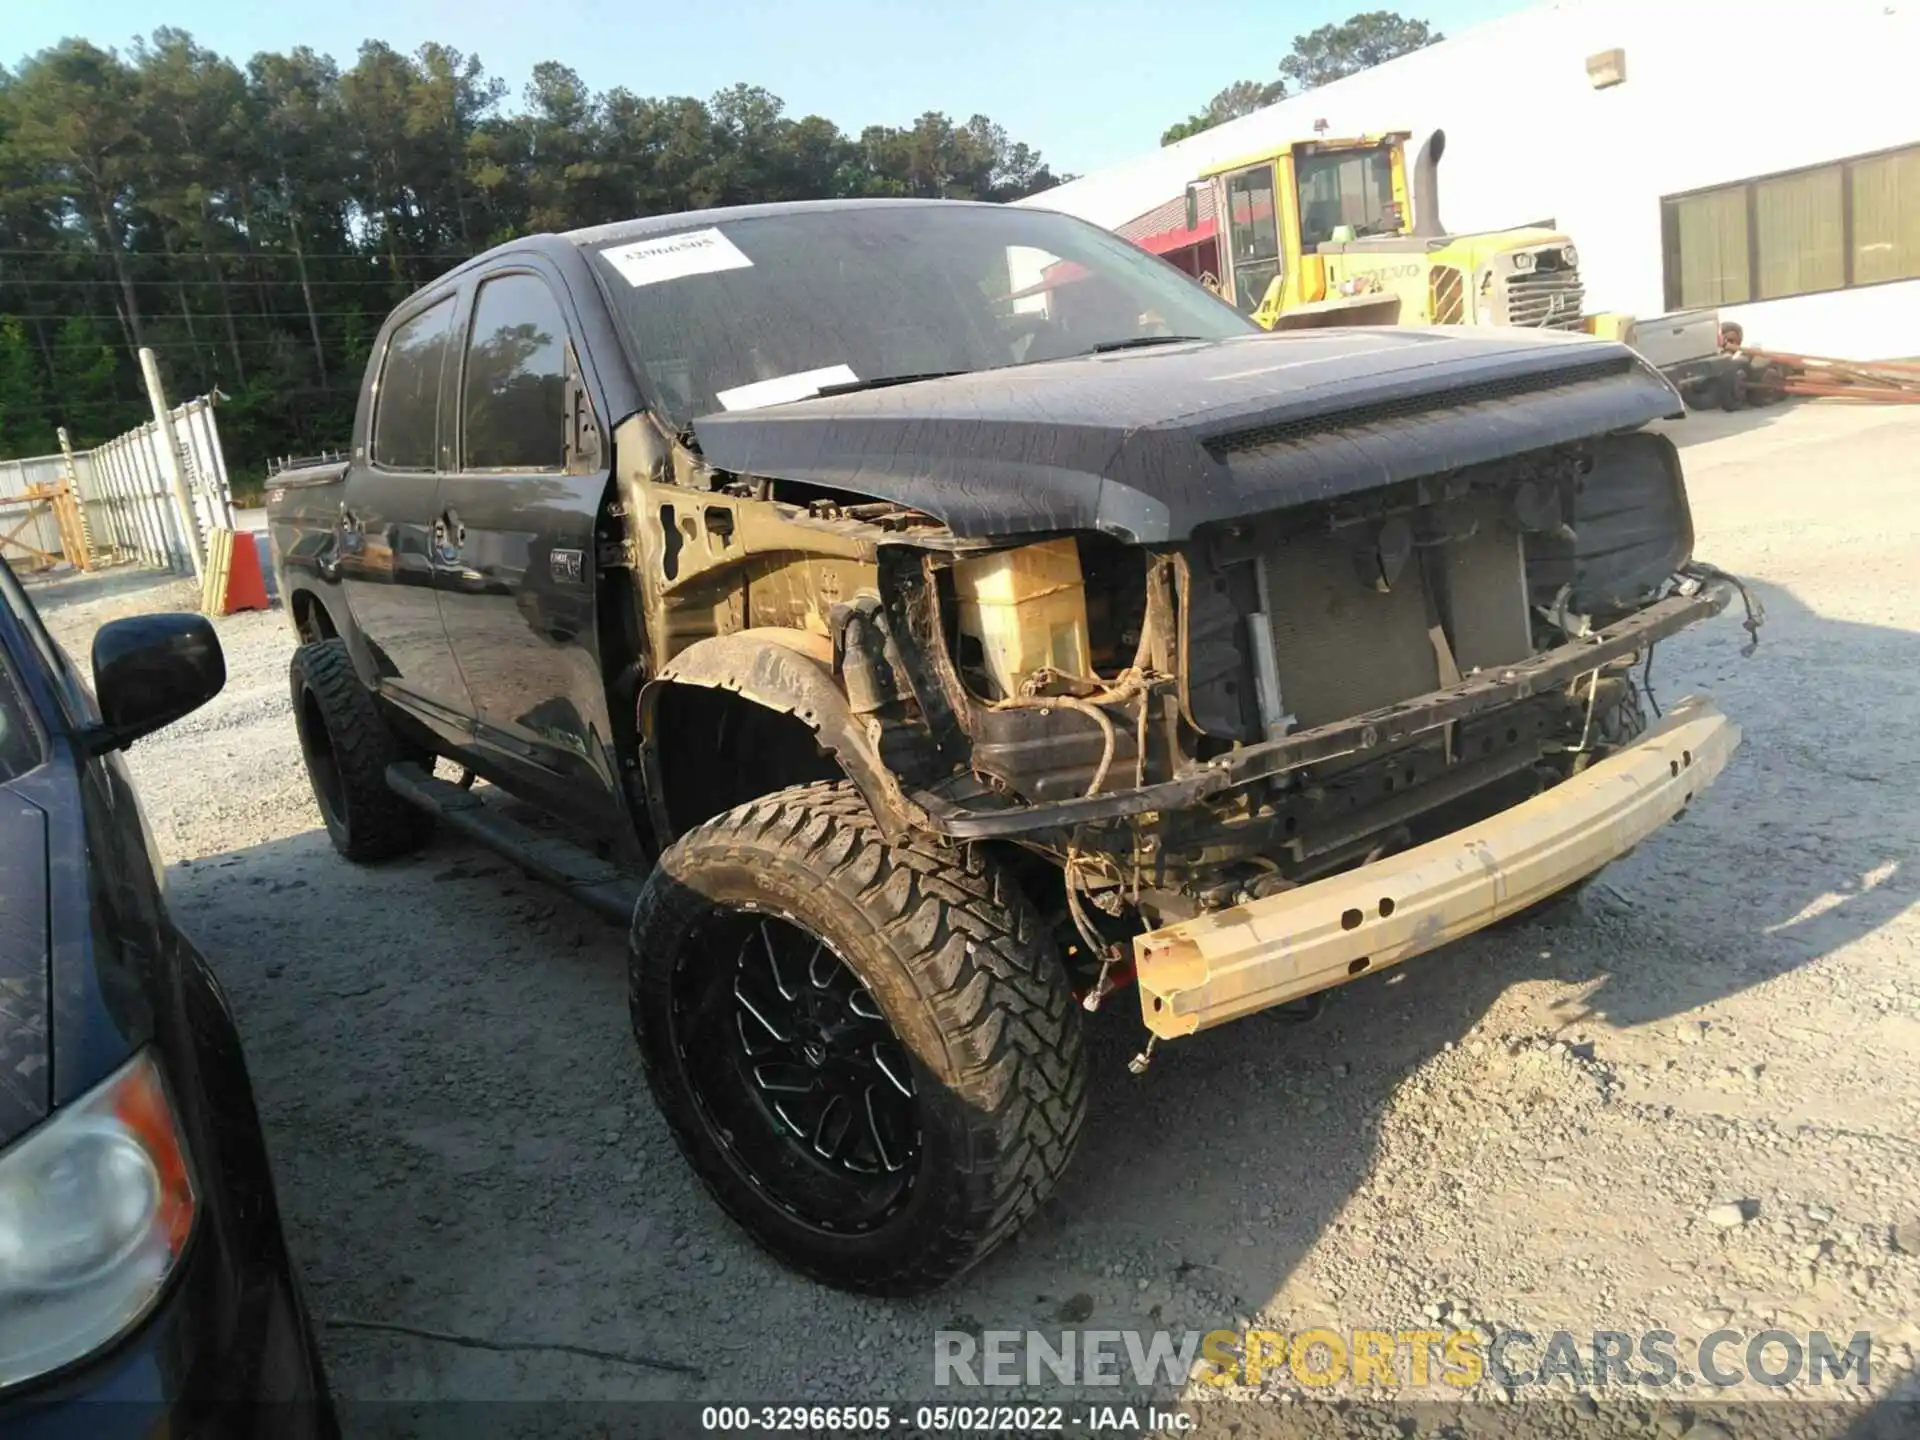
(347, 746)
(954, 966)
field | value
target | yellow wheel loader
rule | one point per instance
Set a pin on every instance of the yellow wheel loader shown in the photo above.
(1318, 233)
(1322, 232)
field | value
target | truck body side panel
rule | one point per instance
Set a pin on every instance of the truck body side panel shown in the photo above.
(303, 537)
(390, 516)
(518, 573)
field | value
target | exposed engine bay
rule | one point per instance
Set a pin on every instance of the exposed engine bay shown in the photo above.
(1191, 667)
(1087, 668)
(1275, 698)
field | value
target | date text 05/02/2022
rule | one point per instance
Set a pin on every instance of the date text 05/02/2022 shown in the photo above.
(945, 1419)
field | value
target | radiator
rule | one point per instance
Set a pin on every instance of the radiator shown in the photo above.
(1339, 646)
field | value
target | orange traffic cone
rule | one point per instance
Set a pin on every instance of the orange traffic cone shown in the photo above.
(233, 579)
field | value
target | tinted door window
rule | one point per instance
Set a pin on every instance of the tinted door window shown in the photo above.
(514, 397)
(408, 404)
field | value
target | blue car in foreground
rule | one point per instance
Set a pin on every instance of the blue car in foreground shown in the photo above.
(145, 1286)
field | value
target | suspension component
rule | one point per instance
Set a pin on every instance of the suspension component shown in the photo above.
(1104, 984)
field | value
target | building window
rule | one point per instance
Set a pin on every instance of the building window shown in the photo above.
(1804, 232)
(1886, 218)
(1707, 250)
(1797, 225)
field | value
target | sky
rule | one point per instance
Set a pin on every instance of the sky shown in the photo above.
(1086, 82)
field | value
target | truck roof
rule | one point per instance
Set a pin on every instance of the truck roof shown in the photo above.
(1320, 142)
(643, 226)
(690, 219)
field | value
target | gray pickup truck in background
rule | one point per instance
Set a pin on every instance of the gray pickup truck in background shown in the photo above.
(1690, 348)
(922, 661)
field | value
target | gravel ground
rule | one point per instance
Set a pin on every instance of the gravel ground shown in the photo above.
(1540, 1128)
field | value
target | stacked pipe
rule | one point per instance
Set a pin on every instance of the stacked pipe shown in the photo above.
(1771, 374)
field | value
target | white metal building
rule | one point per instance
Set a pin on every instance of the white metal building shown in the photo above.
(1754, 155)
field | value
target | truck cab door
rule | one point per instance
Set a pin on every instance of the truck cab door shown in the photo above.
(1251, 255)
(516, 532)
(384, 528)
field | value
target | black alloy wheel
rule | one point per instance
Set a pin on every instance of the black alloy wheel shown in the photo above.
(797, 1071)
(866, 1046)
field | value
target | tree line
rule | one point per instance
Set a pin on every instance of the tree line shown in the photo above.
(255, 224)
(1318, 58)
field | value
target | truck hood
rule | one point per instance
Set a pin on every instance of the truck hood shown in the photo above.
(1148, 444)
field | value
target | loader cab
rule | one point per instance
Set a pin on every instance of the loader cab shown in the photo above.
(1274, 213)
(1323, 232)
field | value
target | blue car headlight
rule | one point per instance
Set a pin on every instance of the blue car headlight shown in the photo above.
(96, 1206)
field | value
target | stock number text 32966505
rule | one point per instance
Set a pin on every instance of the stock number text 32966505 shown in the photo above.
(880, 1419)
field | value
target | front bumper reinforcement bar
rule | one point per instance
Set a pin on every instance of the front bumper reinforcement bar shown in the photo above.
(1220, 966)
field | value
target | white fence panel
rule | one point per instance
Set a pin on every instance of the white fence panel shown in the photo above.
(129, 503)
(35, 528)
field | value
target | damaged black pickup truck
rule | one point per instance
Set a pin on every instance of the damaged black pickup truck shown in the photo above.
(930, 620)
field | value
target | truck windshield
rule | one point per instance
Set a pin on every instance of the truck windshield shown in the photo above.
(763, 309)
(1346, 187)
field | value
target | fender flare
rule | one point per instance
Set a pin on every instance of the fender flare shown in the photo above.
(789, 671)
(302, 594)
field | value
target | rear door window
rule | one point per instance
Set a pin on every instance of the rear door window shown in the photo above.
(407, 404)
(513, 395)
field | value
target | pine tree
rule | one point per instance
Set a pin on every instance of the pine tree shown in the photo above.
(88, 394)
(24, 428)
(256, 225)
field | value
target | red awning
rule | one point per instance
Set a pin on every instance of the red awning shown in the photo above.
(1168, 215)
(1163, 229)
(1177, 239)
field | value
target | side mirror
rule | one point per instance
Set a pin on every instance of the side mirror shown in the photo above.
(150, 670)
(1193, 206)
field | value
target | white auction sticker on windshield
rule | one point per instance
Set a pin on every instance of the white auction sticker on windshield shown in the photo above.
(782, 388)
(674, 257)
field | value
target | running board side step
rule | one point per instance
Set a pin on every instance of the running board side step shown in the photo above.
(595, 883)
